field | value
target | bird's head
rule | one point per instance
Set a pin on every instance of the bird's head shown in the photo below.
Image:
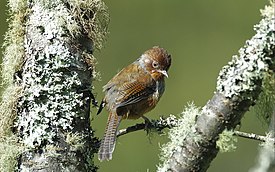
(156, 61)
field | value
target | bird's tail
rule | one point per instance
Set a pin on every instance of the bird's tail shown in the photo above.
(108, 142)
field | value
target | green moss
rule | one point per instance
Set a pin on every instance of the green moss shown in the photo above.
(12, 62)
(75, 141)
(9, 152)
(185, 129)
(93, 16)
(226, 142)
(13, 58)
(7, 109)
(265, 104)
(92, 62)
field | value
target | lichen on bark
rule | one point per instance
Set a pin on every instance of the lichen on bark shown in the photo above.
(52, 107)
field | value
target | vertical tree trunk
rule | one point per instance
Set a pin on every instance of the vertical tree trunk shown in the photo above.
(52, 108)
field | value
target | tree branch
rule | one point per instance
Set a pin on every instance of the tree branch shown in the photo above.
(155, 125)
(193, 146)
(253, 136)
(170, 122)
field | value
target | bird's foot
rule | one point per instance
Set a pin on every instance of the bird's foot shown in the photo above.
(148, 124)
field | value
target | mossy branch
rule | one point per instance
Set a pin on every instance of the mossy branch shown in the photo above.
(193, 144)
(253, 136)
(172, 121)
(154, 125)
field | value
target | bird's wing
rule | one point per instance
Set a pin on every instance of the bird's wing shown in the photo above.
(129, 86)
(136, 91)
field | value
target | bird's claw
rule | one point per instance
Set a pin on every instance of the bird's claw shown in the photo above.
(148, 124)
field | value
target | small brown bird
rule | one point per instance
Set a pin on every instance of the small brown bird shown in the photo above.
(131, 93)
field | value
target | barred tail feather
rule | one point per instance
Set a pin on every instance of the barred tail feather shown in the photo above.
(108, 142)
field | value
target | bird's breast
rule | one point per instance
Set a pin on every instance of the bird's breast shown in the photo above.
(160, 87)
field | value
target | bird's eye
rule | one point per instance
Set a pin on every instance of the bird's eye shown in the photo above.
(155, 64)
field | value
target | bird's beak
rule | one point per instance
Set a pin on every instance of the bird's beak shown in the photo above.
(163, 72)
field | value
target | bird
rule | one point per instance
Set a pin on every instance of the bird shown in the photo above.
(132, 92)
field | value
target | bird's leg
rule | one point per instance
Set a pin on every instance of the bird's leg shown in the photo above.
(148, 123)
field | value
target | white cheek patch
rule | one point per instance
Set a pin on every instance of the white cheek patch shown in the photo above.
(145, 58)
(147, 61)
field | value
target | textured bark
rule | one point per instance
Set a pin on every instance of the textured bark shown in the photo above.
(53, 109)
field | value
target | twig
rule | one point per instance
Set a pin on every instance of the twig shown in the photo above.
(156, 125)
(130, 129)
(252, 136)
(171, 121)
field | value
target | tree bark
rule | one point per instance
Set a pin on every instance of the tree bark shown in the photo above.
(52, 109)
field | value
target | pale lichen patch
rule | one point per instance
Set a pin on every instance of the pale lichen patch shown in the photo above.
(227, 141)
(185, 128)
(249, 67)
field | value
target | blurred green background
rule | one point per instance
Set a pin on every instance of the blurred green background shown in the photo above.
(202, 36)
